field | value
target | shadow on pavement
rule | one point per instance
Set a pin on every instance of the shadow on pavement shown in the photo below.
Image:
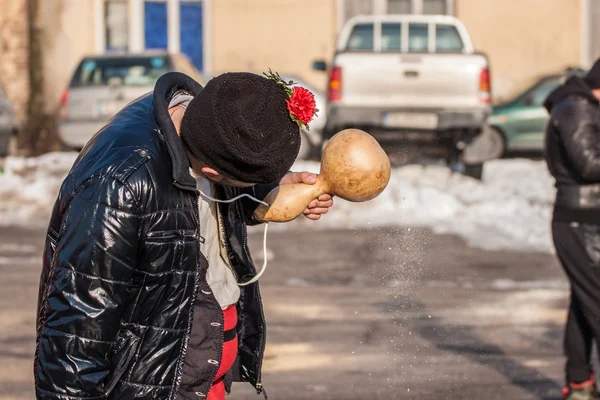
(462, 340)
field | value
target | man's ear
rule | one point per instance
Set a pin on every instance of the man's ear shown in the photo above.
(210, 173)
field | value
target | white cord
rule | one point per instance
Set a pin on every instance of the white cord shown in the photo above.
(235, 198)
(264, 266)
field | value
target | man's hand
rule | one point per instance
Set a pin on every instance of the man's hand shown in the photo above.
(318, 206)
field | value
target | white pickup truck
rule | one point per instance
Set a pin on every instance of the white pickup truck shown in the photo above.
(414, 82)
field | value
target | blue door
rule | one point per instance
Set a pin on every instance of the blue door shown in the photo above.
(155, 25)
(190, 30)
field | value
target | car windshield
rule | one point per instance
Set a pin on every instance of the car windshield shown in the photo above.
(537, 94)
(128, 71)
(539, 90)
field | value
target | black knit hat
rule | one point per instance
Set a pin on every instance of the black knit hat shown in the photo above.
(593, 76)
(239, 125)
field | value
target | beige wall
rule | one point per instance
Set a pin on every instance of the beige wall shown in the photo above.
(13, 53)
(523, 38)
(68, 33)
(285, 35)
(69, 38)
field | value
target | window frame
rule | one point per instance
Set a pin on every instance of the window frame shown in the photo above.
(433, 38)
(106, 26)
(401, 38)
(375, 40)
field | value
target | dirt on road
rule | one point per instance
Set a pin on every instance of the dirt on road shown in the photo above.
(392, 313)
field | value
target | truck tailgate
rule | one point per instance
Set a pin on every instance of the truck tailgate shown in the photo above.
(449, 81)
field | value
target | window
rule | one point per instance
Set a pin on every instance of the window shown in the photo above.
(130, 71)
(435, 7)
(447, 39)
(352, 8)
(361, 37)
(156, 33)
(418, 38)
(538, 94)
(399, 6)
(116, 30)
(390, 37)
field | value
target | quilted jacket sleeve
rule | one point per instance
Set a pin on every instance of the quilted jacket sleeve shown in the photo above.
(580, 134)
(89, 284)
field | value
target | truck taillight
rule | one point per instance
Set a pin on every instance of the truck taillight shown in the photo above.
(64, 99)
(485, 86)
(334, 92)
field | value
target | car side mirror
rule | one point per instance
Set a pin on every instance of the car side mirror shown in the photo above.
(319, 65)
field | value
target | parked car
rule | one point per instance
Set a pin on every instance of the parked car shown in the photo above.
(312, 139)
(8, 123)
(519, 124)
(102, 85)
(413, 82)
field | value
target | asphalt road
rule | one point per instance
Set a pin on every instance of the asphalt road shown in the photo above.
(382, 314)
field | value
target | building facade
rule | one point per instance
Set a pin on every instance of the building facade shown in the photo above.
(524, 39)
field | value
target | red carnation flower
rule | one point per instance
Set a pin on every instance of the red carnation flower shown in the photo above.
(302, 104)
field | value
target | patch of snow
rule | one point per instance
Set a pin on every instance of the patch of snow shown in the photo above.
(510, 209)
(28, 187)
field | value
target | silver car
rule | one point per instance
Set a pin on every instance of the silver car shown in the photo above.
(102, 85)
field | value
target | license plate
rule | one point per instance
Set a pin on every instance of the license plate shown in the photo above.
(411, 120)
(109, 108)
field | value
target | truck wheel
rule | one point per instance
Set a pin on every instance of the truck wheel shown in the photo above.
(487, 145)
(474, 171)
(498, 140)
(4, 144)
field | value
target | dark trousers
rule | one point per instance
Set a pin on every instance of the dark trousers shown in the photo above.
(578, 248)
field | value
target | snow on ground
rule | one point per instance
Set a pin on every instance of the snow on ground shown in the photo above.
(28, 187)
(510, 209)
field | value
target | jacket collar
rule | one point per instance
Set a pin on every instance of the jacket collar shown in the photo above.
(165, 87)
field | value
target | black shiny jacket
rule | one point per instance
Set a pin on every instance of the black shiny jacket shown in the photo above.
(124, 309)
(572, 151)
